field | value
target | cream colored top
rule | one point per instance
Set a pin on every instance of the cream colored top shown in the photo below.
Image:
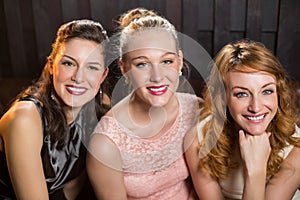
(232, 187)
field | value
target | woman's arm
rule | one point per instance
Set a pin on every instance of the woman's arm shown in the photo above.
(205, 185)
(284, 184)
(104, 169)
(255, 151)
(22, 133)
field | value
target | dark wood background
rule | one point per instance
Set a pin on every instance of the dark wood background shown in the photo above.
(28, 27)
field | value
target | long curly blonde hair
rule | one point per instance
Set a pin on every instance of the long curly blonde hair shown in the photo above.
(220, 137)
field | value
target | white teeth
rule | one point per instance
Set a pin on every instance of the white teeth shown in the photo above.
(78, 90)
(157, 89)
(255, 118)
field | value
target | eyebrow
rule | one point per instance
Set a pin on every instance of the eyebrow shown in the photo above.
(243, 88)
(145, 57)
(93, 62)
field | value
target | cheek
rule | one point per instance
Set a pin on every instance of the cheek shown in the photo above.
(235, 107)
(61, 74)
(273, 104)
(139, 78)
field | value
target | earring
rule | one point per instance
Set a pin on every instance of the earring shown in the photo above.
(126, 79)
(180, 73)
(52, 93)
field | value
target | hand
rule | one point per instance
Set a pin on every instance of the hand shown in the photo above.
(255, 151)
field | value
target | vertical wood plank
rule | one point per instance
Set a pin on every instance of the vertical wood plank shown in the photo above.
(254, 21)
(222, 24)
(288, 48)
(47, 18)
(5, 69)
(270, 14)
(74, 9)
(70, 10)
(104, 12)
(173, 12)
(15, 37)
(238, 15)
(29, 39)
(190, 15)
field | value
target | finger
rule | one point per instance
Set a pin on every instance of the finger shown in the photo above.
(241, 135)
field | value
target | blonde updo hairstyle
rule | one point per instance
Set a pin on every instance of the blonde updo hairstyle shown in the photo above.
(141, 19)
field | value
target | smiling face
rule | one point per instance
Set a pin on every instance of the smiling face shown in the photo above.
(152, 65)
(252, 100)
(78, 70)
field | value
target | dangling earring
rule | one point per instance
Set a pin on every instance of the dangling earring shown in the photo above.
(52, 96)
(52, 93)
(180, 73)
(126, 79)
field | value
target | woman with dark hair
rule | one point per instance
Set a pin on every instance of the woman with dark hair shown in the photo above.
(247, 143)
(42, 143)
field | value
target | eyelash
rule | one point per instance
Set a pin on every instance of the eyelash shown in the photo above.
(93, 68)
(268, 92)
(145, 64)
(244, 94)
(67, 63)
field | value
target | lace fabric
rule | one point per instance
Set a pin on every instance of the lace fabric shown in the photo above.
(157, 163)
(140, 155)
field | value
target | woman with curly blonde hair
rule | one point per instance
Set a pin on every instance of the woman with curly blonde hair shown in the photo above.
(247, 129)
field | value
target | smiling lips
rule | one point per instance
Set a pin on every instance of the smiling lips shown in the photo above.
(158, 90)
(76, 90)
(257, 118)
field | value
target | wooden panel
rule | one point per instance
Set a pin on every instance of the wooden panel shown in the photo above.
(104, 12)
(28, 28)
(47, 19)
(15, 37)
(270, 12)
(5, 69)
(175, 14)
(288, 48)
(205, 15)
(238, 15)
(70, 10)
(74, 9)
(222, 24)
(269, 40)
(254, 13)
(29, 39)
(190, 15)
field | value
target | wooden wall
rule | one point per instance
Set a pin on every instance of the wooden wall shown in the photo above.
(28, 27)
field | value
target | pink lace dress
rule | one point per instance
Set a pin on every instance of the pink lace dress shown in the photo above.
(155, 168)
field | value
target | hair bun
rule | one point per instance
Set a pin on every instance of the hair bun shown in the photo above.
(133, 15)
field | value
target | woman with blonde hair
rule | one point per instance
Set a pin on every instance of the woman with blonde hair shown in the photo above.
(136, 151)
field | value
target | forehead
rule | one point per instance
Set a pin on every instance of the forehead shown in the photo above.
(151, 39)
(81, 48)
(249, 79)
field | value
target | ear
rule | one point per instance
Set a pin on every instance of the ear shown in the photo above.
(122, 66)
(180, 57)
(105, 73)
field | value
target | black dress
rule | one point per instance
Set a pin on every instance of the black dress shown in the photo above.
(60, 165)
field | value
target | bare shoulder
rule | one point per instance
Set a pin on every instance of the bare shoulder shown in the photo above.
(21, 120)
(104, 150)
(294, 158)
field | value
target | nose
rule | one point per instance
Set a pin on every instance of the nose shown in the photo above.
(78, 75)
(156, 74)
(255, 104)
